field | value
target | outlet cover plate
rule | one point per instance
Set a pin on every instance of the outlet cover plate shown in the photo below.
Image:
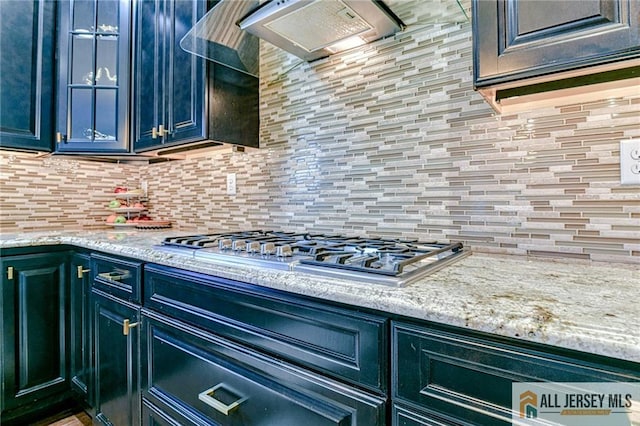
(630, 162)
(231, 184)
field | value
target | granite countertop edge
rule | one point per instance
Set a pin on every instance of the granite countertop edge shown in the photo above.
(579, 306)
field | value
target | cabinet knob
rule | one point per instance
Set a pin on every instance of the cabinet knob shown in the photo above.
(154, 133)
(81, 271)
(59, 137)
(10, 272)
(162, 131)
(127, 326)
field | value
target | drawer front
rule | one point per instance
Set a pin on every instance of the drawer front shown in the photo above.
(200, 378)
(410, 417)
(118, 277)
(153, 416)
(348, 345)
(470, 379)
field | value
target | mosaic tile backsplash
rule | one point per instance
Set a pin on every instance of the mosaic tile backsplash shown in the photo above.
(387, 140)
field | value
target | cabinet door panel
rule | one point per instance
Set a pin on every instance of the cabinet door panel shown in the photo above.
(34, 340)
(148, 72)
(93, 76)
(26, 98)
(207, 380)
(169, 82)
(80, 325)
(470, 379)
(117, 398)
(185, 87)
(526, 38)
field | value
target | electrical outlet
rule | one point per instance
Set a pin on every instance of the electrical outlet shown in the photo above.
(231, 184)
(630, 162)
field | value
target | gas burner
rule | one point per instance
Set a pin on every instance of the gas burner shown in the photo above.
(378, 260)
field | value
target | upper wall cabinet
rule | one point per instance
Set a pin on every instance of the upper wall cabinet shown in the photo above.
(180, 98)
(26, 74)
(169, 83)
(520, 40)
(93, 76)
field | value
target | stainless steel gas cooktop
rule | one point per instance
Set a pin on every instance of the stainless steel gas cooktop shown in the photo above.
(389, 261)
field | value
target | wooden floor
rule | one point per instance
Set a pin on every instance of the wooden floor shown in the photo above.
(77, 419)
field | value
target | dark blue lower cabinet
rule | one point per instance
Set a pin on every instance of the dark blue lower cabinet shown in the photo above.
(33, 367)
(462, 378)
(116, 360)
(194, 377)
(80, 326)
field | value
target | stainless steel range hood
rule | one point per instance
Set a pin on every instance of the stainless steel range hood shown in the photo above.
(314, 29)
(309, 29)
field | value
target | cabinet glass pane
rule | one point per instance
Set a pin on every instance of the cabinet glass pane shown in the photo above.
(81, 113)
(106, 121)
(108, 16)
(83, 15)
(107, 61)
(82, 60)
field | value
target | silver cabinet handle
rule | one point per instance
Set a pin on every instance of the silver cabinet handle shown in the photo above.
(207, 397)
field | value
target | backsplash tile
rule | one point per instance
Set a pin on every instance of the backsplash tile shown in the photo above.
(48, 193)
(386, 140)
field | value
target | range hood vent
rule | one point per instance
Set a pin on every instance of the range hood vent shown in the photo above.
(310, 29)
(314, 29)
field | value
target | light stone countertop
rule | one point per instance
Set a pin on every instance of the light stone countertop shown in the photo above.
(576, 305)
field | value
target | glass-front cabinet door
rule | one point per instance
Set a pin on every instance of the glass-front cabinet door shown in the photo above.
(93, 96)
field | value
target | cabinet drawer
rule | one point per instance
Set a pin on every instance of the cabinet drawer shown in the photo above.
(199, 378)
(408, 417)
(470, 378)
(338, 342)
(118, 277)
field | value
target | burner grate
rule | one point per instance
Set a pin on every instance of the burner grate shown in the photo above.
(396, 259)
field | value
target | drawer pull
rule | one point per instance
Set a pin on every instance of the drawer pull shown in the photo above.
(115, 275)
(207, 397)
(81, 271)
(127, 326)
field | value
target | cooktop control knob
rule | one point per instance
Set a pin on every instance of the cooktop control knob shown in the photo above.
(267, 248)
(239, 245)
(253, 247)
(284, 251)
(224, 244)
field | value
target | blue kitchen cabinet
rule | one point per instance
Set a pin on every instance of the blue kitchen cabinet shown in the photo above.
(115, 314)
(116, 360)
(519, 39)
(34, 345)
(27, 43)
(93, 76)
(197, 378)
(180, 98)
(216, 351)
(80, 326)
(451, 376)
(169, 83)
